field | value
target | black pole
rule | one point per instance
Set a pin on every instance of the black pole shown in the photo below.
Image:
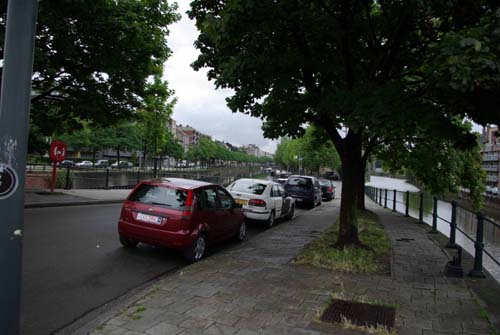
(376, 195)
(407, 209)
(385, 199)
(421, 208)
(394, 200)
(479, 246)
(434, 216)
(14, 123)
(138, 176)
(67, 179)
(106, 183)
(453, 226)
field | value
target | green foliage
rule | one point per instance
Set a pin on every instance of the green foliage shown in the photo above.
(152, 125)
(93, 59)
(208, 151)
(439, 165)
(313, 149)
(365, 68)
(172, 147)
(464, 70)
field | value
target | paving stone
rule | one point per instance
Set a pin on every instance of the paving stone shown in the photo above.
(251, 289)
(164, 328)
(109, 330)
(247, 332)
(220, 329)
(196, 324)
(140, 321)
(173, 318)
(202, 311)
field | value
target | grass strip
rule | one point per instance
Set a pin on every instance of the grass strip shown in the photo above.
(375, 259)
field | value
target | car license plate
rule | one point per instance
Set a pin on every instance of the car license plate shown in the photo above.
(149, 218)
(241, 201)
(298, 199)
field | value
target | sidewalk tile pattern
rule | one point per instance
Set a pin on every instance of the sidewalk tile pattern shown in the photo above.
(253, 288)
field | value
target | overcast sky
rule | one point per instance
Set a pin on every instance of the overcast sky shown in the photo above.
(199, 104)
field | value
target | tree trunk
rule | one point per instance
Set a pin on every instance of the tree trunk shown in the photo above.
(118, 157)
(361, 192)
(352, 169)
(145, 147)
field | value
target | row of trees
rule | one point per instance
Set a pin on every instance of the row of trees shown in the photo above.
(209, 153)
(311, 152)
(154, 140)
(400, 77)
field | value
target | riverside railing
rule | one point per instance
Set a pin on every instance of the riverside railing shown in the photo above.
(123, 178)
(453, 217)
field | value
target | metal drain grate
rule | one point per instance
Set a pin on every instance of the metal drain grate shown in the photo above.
(404, 239)
(360, 314)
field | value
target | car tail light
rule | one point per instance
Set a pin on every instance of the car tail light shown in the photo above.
(257, 202)
(188, 206)
(329, 189)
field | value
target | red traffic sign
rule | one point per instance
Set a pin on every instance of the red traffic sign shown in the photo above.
(57, 151)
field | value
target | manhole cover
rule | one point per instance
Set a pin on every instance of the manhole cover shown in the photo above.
(360, 314)
(405, 239)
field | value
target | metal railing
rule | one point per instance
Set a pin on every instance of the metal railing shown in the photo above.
(70, 178)
(424, 206)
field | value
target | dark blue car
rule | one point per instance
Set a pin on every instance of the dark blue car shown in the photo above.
(305, 189)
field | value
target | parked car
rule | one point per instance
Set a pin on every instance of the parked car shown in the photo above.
(330, 175)
(66, 163)
(102, 163)
(327, 189)
(182, 214)
(262, 200)
(281, 181)
(305, 189)
(84, 164)
(122, 165)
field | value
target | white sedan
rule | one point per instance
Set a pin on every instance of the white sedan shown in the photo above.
(85, 164)
(262, 200)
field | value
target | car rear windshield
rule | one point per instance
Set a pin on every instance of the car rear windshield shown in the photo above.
(248, 186)
(159, 196)
(325, 183)
(299, 181)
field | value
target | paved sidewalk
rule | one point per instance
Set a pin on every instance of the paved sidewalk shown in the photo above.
(253, 288)
(61, 197)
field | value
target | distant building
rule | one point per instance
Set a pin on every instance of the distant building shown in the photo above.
(254, 150)
(490, 151)
(188, 136)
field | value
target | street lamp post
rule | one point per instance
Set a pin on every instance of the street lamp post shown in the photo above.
(14, 118)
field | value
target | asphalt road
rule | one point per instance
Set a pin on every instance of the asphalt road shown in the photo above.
(73, 263)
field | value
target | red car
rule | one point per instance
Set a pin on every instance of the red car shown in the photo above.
(180, 213)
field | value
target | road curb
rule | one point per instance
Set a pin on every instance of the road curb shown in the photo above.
(72, 203)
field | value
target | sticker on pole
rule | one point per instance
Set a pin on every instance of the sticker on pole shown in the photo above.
(8, 181)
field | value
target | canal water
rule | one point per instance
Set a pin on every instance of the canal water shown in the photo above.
(466, 220)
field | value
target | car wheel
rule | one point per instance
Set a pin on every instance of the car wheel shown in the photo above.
(128, 242)
(270, 220)
(242, 233)
(197, 250)
(290, 214)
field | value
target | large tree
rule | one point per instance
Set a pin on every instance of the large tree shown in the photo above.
(93, 58)
(356, 69)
